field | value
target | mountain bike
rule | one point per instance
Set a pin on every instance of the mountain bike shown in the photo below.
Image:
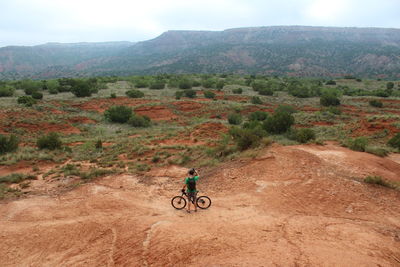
(179, 202)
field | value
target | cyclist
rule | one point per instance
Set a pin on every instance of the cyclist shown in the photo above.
(190, 184)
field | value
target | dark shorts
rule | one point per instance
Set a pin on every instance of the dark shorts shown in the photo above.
(191, 196)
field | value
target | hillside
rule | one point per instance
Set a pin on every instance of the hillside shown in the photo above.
(284, 50)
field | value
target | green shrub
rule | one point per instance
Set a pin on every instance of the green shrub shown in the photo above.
(265, 91)
(286, 108)
(139, 121)
(53, 91)
(258, 85)
(247, 138)
(304, 135)
(329, 100)
(357, 144)
(389, 85)
(237, 91)
(6, 90)
(159, 84)
(141, 84)
(256, 100)
(376, 103)
(330, 82)
(395, 141)
(81, 88)
(37, 95)
(99, 144)
(9, 144)
(208, 83)
(16, 178)
(51, 141)
(377, 151)
(134, 93)
(376, 180)
(209, 94)
(179, 94)
(190, 93)
(333, 110)
(26, 100)
(258, 116)
(185, 84)
(220, 85)
(113, 95)
(279, 122)
(120, 114)
(196, 83)
(235, 118)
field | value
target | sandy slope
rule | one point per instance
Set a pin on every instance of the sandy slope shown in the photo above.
(292, 206)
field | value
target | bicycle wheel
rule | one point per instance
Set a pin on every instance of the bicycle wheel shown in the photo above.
(178, 202)
(203, 202)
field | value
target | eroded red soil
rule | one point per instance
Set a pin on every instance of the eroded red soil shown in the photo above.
(156, 112)
(290, 206)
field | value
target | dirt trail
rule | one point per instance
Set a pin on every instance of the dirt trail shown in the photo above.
(291, 206)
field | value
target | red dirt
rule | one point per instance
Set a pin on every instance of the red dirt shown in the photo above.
(366, 128)
(82, 120)
(208, 131)
(290, 206)
(100, 105)
(188, 106)
(156, 112)
(47, 127)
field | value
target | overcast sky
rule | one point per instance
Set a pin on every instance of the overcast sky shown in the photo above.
(31, 22)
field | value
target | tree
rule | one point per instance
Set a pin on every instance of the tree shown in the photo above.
(279, 122)
(120, 114)
(329, 100)
(82, 88)
(134, 93)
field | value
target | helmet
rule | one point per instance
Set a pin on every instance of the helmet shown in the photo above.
(192, 171)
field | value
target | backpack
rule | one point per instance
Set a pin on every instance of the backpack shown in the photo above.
(191, 184)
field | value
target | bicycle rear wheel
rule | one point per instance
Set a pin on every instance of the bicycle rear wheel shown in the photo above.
(178, 202)
(203, 202)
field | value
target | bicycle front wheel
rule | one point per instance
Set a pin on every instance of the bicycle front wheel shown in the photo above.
(178, 202)
(203, 202)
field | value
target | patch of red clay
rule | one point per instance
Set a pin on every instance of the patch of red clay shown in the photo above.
(366, 128)
(156, 112)
(82, 120)
(208, 131)
(188, 106)
(251, 109)
(100, 105)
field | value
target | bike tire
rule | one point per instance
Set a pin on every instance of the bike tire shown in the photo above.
(178, 202)
(203, 202)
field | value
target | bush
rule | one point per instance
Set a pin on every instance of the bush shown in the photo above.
(220, 84)
(389, 85)
(209, 94)
(395, 141)
(237, 91)
(258, 116)
(376, 180)
(141, 84)
(329, 100)
(99, 144)
(358, 144)
(265, 91)
(134, 93)
(82, 88)
(185, 84)
(279, 122)
(235, 118)
(376, 103)
(190, 93)
(333, 110)
(247, 138)
(9, 144)
(113, 95)
(304, 135)
(330, 82)
(51, 141)
(285, 108)
(120, 114)
(37, 95)
(26, 100)
(53, 91)
(377, 151)
(159, 84)
(6, 91)
(179, 94)
(139, 121)
(256, 100)
(208, 83)
(258, 85)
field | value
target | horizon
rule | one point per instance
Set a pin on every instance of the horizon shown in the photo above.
(173, 30)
